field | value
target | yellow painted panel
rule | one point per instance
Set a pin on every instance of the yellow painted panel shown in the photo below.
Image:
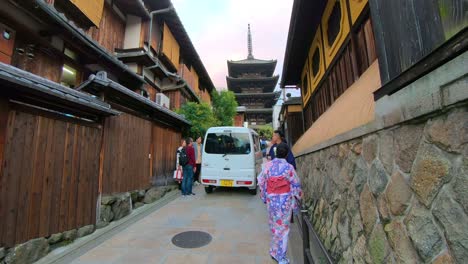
(305, 82)
(354, 108)
(195, 81)
(170, 46)
(316, 44)
(331, 49)
(356, 7)
(294, 108)
(91, 9)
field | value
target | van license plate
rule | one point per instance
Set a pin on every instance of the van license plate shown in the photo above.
(226, 183)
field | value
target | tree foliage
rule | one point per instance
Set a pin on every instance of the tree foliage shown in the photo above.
(224, 107)
(200, 115)
(265, 131)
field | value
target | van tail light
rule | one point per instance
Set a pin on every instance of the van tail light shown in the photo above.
(208, 181)
(244, 182)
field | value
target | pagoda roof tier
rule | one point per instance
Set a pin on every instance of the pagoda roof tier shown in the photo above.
(251, 66)
(267, 83)
(259, 111)
(266, 104)
(260, 95)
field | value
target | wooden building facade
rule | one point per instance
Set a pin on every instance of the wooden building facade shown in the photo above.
(290, 119)
(342, 53)
(82, 107)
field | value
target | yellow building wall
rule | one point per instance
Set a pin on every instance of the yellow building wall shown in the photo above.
(331, 49)
(328, 51)
(356, 7)
(195, 81)
(317, 44)
(305, 79)
(92, 9)
(170, 47)
(294, 108)
(355, 107)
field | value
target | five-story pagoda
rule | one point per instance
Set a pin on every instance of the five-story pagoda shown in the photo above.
(253, 83)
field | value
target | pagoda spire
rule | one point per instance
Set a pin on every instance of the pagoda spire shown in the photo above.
(249, 45)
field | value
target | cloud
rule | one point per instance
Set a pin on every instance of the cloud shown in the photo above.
(218, 30)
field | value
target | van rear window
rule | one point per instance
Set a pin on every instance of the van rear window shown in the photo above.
(228, 143)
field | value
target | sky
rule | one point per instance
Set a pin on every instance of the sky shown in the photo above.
(218, 30)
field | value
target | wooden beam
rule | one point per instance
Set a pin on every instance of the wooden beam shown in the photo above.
(448, 51)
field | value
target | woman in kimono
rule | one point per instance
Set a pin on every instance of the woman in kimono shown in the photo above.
(280, 189)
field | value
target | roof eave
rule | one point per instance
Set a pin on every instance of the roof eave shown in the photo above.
(84, 38)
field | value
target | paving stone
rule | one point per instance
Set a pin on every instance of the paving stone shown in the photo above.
(460, 185)
(55, 238)
(400, 242)
(101, 224)
(379, 248)
(450, 132)
(369, 148)
(85, 230)
(430, 171)
(444, 258)
(106, 214)
(357, 148)
(154, 194)
(407, 140)
(383, 208)
(368, 209)
(28, 252)
(122, 206)
(360, 252)
(108, 199)
(138, 205)
(361, 173)
(386, 150)
(423, 232)
(455, 223)
(378, 178)
(343, 228)
(70, 235)
(398, 194)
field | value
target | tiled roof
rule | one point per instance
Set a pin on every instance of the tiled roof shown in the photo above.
(31, 83)
(101, 80)
(83, 37)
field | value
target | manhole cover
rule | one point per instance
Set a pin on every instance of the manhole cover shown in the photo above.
(191, 239)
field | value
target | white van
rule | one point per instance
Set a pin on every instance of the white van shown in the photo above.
(231, 157)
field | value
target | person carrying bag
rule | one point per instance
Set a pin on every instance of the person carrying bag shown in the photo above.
(280, 189)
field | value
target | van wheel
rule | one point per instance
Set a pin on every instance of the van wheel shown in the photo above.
(253, 191)
(209, 189)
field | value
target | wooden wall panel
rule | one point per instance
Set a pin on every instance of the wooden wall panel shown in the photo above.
(170, 47)
(176, 99)
(342, 74)
(407, 31)
(91, 9)
(127, 143)
(294, 127)
(44, 65)
(165, 143)
(44, 187)
(111, 31)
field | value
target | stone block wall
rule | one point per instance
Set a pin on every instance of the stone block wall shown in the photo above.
(398, 195)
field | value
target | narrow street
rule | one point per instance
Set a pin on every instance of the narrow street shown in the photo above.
(236, 221)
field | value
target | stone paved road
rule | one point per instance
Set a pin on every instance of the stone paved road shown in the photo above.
(236, 220)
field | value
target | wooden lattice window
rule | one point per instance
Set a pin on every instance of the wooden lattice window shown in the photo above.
(334, 23)
(305, 85)
(316, 62)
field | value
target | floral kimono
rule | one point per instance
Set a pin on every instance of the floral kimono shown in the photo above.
(280, 187)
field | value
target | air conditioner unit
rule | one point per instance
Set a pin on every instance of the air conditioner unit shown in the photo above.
(162, 100)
